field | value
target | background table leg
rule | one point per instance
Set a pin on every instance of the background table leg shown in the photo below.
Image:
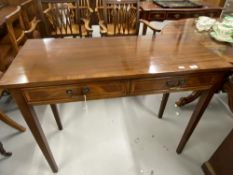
(35, 127)
(144, 29)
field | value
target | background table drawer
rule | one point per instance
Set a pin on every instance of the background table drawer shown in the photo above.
(176, 15)
(201, 13)
(152, 85)
(75, 92)
(157, 16)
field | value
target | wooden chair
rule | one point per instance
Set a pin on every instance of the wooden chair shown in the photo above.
(10, 42)
(68, 19)
(30, 20)
(16, 29)
(17, 36)
(120, 17)
(6, 55)
(10, 122)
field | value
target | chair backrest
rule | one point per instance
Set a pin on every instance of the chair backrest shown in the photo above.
(28, 13)
(63, 18)
(100, 9)
(121, 17)
(84, 8)
(15, 27)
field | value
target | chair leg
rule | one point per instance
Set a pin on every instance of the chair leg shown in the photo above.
(11, 122)
(56, 116)
(3, 152)
(163, 104)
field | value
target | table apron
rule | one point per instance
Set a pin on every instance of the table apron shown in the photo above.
(118, 88)
(161, 15)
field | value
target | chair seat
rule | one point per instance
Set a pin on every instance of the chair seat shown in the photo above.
(120, 31)
(75, 31)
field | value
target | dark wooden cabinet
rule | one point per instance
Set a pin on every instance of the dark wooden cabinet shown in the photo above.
(221, 162)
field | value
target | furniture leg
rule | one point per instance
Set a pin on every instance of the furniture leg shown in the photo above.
(185, 100)
(228, 87)
(56, 116)
(163, 104)
(32, 121)
(11, 122)
(196, 116)
(144, 29)
(145, 15)
(3, 152)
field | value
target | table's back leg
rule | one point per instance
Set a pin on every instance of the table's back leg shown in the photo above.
(32, 121)
(205, 97)
(56, 116)
(163, 104)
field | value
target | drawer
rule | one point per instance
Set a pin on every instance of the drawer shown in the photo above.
(157, 16)
(179, 83)
(176, 15)
(210, 14)
(74, 92)
(214, 14)
(196, 14)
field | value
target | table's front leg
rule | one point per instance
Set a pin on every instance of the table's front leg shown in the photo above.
(205, 97)
(32, 121)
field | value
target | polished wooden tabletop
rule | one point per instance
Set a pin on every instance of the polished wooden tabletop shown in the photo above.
(55, 60)
(4, 11)
(185, 31)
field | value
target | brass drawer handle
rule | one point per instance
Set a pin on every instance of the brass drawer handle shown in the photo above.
(177, 15)
(211, 14)
(175, 83)
(171, 83)
(85, 90)
(69, 92)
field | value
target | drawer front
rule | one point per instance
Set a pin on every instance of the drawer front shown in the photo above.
(214, 14)
(210, 14)
(76, 92)
(176, 15)
(179, 83)
(157, 16)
